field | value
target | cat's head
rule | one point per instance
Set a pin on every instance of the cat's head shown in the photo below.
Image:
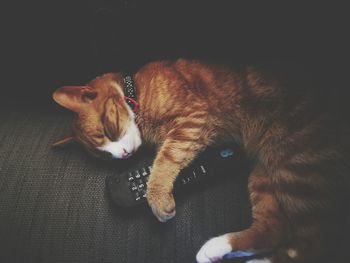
(104, 123)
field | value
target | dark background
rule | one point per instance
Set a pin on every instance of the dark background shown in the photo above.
(53, 204)
(45, 45)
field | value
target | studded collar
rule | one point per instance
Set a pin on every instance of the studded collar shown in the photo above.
(130, 93)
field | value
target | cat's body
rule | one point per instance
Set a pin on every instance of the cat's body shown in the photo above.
(300, 147)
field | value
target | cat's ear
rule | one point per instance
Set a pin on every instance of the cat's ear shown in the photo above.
(64, 141)
(74, 98)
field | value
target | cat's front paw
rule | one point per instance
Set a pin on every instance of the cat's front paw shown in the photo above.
(161, 202)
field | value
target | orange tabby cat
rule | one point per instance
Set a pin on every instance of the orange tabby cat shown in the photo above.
(299, 185)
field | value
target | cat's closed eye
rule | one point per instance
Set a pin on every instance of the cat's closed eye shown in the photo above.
(99, 135)
(90, 96)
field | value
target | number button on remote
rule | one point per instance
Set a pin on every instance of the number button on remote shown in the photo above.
(131, 177)
(144, 172)
(141, 186)
(133, 186)
(202, 169)
(194, 175)
(137, 174)
(143, 193)
(137, 196)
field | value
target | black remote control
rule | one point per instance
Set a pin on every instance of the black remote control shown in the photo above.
(129, 188)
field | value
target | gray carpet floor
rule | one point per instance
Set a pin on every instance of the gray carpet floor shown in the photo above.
(54, 207)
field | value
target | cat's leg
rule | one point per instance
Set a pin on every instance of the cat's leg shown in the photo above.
(267, 231)
(179, 148)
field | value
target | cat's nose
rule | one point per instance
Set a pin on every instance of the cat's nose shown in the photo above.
(125, 153)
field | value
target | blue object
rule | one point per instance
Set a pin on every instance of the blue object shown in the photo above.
(238, 254)
(226, 153)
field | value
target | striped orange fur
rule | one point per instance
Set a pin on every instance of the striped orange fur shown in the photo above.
(299, 186)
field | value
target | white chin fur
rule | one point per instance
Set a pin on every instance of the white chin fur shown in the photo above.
(130, 141)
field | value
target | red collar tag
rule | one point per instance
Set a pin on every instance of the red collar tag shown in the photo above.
(133, 104)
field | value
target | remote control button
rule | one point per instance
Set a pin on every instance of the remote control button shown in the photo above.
(189, 179)
(225, 153)
(202, 169)
(194, 175)
(144, 172)
(185, 180)
(131, 177)
(141, 186)
(145, 180)
(133, 186)
(144, 193)
(137, 174)
(148, 170)
(137, 196)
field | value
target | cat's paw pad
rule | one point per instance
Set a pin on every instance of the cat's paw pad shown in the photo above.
(214, 250)
(162, 204)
